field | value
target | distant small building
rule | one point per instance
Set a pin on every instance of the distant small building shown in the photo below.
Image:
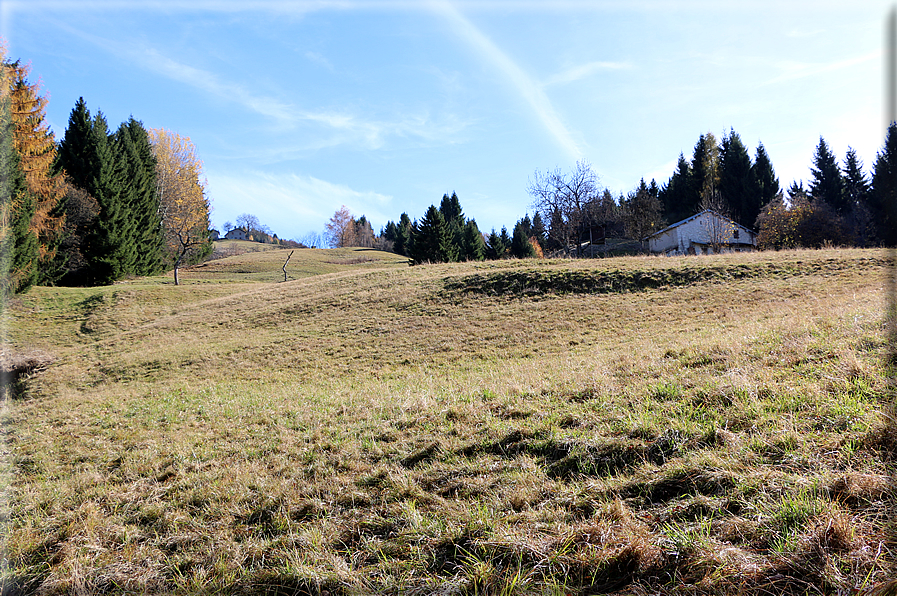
(237, 234)
(214, 235)
(706, 232)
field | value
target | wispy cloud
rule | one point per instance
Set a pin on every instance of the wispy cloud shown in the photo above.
(799, 70)
(582, 71)
(153, 60)
(529, 89)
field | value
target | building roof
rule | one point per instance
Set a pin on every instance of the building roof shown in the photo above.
(695, 216)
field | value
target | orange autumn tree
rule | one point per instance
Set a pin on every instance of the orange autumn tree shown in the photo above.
(183, 199)
(43, 190)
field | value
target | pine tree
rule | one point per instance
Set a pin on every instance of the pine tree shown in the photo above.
(736, 187)
(827, 183)
(883, 196)
(763, 177)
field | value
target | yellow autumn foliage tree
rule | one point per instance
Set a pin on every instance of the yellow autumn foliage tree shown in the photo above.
(182, 194)
(34, 142)
(32, 214)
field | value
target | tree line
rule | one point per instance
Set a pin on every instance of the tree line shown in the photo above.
(842, 205)
(99, 205)
(442, 235)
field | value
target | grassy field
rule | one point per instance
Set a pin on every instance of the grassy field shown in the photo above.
(703, 425)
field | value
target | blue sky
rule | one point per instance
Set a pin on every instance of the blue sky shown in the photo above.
(297, 108)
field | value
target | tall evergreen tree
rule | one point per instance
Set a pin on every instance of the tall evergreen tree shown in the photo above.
(705, 167)
(20, 246)
(496, 248)
(827, 183)
(36, 149)
(450, 207)
(432, 241)
(473, 247)
(856, 183)
(136, 153)
(883, 196)
(763, 177)
(403, 236)
(736, 188)
(677, 195)
(538, 230)
(520, 244)
(87, 156)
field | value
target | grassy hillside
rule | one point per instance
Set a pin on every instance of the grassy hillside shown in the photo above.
(635, 425)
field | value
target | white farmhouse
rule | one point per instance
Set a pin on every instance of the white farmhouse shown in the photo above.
(706, 232)
(237, 234)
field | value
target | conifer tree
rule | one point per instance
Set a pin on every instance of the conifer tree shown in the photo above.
(36, 149)
(473, 246)
(883, 196)
(856, 183)
(736, 187)
(763, 177)
(20, 246)
(705, 167)
(403, 236)
(139, 166)
(677, 195)
(520, 244)
(538, 230)
(496, 248)
(432, 242)
(827, 183)
(88, 158)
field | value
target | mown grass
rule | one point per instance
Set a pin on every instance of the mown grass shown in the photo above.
(522, 427)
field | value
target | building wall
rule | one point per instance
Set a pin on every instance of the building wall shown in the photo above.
(699, 233)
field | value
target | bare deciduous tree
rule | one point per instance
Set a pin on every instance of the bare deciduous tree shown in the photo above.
(563, 200)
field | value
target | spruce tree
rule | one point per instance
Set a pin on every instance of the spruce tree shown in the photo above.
(827, 183)
(432, 242)
(736, 188)
(520, 244)
(538, 230)
(403, 236)
(144, 203)
(856, 183)
(883, 196)
(108, 251)
(678, 195)
(473, 246)
(20, 245)
(495, 246)
(763, 177)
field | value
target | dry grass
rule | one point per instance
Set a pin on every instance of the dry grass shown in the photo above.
(458, 429)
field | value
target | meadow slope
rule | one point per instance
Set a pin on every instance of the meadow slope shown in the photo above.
(636, 425)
